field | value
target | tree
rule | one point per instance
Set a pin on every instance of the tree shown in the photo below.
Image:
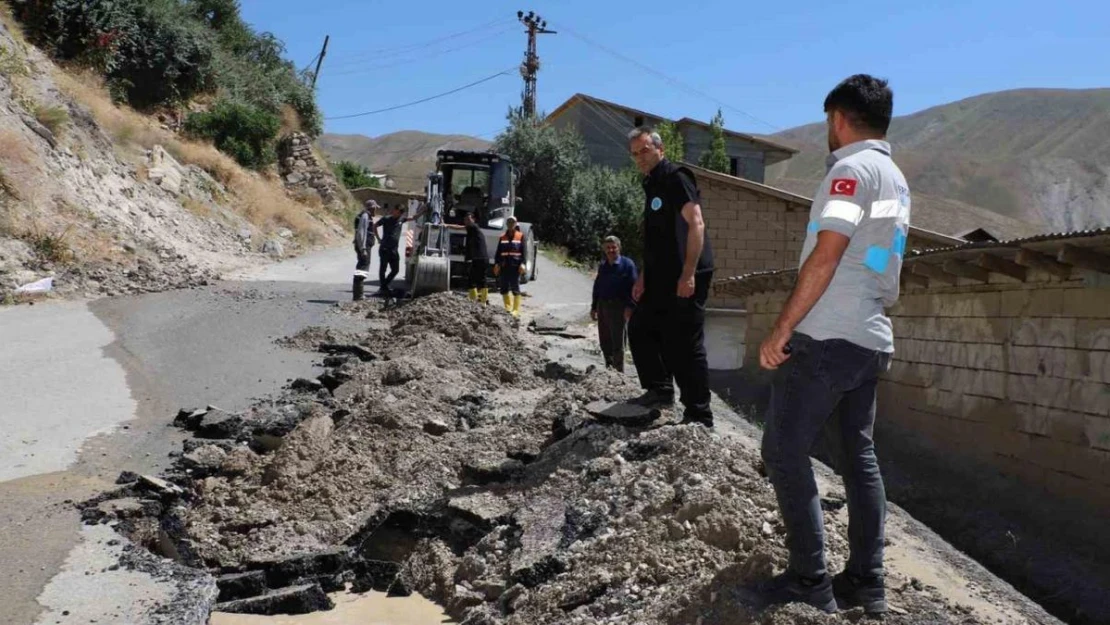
(355, 176)
(673, 143)
(716, 157)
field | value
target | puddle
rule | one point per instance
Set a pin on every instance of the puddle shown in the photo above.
(372, 608)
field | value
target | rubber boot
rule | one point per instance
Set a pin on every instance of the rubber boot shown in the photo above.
(356, 288)
(508, 299)
(472, 294)
(516, 304)
(483, 296)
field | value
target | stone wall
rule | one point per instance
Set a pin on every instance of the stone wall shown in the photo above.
(303, 172)
(1012, 374)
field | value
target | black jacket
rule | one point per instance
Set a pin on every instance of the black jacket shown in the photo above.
(666, 190)
(476, 249)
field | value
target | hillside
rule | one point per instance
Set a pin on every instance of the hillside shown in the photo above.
(108, 201)
(1037, 155)
(407, 156)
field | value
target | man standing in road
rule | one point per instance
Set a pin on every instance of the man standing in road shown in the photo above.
(364, 240)
(612, 304)
(509, 265)
(667, 330)
(477, 258)
(828, 347)
(389, 255)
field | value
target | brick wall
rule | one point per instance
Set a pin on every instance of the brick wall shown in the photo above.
(749, 232)
(1013, 374)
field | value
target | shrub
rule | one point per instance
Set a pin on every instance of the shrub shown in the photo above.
(605, 202)
(54, 118)
(355, 176)
(242, 131)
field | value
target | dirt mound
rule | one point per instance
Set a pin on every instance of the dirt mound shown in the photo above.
(436, 455)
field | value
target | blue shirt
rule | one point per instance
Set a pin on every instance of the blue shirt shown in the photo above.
(615, 281)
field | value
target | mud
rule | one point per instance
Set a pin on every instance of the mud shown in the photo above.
(460, 463)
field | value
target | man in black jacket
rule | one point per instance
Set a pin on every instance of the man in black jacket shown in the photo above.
(364, 240)
(477, 257)
(667, 330)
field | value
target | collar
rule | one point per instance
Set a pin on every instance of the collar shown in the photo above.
(658, 170)
(856, 148)
(616, 261)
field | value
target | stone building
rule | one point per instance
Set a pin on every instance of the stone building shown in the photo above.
(1002, 357)
(605, 125)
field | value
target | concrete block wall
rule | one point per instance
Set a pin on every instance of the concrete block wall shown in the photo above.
(749, 232)
(1013, 374)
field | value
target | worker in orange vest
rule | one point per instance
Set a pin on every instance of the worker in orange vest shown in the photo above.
(509, 265)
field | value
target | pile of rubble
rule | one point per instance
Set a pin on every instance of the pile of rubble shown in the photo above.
(442, 453)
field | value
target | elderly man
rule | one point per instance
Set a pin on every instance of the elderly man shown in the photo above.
(667, 331)
(828, 347)
(612, 303)
(364, 240)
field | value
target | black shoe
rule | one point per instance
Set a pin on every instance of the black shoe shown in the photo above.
(854, 591)
(791, 588)
(703, 421)
(653, 399)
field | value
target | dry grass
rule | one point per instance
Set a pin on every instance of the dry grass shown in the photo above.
(263, 202)
(290, 121)
(55, 118)
(17, 159)
(200, 209)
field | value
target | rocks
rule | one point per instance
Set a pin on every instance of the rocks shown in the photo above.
(490, 468)
(274, 248)
(357, 351)
(218, 424)
(241, 585)
(40, 130)
(304, 384)
(205, 460)
(435, 427)
(160, 486)
(402, 371)
(293, 600)
(164, 171)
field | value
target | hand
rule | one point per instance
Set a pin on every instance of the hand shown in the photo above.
(593, 315)
(638, 290)
(686, 286)
(523, 270)
(627, 314)
(772, 352)
(496, 270)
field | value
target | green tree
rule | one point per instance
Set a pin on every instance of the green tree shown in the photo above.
(716, 157)
(673, 144)
(243, 132)
(355, 176)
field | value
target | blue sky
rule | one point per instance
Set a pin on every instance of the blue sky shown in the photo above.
(769, 63)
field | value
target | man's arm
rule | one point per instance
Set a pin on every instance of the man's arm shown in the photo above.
(360, 232)
(695, 241)
(597, 287)
(813, 278)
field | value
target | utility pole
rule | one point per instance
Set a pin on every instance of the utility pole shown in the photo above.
(536, 26)
(320, 61)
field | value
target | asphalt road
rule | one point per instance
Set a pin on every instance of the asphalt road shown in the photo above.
(90, 387)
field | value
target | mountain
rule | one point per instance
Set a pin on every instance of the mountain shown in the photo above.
(407, 156)
(1039, 156)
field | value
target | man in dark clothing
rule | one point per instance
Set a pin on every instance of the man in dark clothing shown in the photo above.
(509, 265)
(389, 256)
(477, 257)
(612, 301)
(667, 330)
(364, 240)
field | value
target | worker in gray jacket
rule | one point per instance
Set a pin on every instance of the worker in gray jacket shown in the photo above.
(364, 240)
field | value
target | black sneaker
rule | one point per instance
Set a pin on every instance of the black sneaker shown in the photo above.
(653, 399)
(791, 588)
(705, 421)
(854, 591)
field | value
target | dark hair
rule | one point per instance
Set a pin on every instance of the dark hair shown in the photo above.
(866, 101)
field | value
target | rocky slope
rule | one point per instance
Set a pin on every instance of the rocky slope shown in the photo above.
(107, 201)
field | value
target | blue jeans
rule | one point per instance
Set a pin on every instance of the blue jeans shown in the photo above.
(827, 386)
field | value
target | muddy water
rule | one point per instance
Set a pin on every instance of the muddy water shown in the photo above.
(372, 608)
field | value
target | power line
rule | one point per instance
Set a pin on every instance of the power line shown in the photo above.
(370, 68)
(427, 99)
(398, 50)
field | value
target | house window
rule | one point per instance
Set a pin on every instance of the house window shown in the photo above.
(733, 166)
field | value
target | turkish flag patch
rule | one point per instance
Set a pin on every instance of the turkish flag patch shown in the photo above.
(843, 186)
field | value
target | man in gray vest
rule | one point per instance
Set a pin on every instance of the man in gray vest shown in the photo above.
(828, 347)
(364, 240)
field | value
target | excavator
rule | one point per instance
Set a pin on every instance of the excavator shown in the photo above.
(480, 182)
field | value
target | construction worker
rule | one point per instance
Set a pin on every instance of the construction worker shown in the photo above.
(364, 240)
(828, 347)
(477, 255)
(509, 265)
(389, 255)
(611, 306)
(667, 330)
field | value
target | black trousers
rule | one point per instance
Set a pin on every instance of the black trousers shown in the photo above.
(667, 336)
(362, 264)
(476, 275)
(611, 331)
(391, 260)
(509, 279)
